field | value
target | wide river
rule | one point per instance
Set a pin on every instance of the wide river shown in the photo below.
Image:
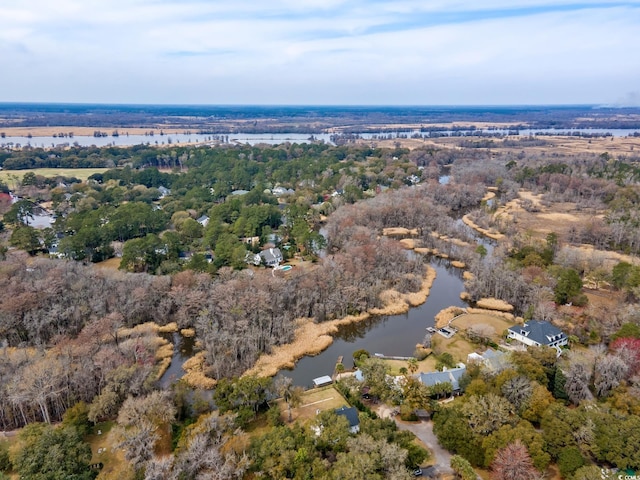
(267, 138)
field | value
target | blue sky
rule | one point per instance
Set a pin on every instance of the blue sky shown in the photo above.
(359, 52)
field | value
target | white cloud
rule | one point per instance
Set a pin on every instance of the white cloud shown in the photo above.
(319, 51)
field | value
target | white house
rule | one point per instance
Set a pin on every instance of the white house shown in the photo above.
(536, 333)
(492, 360)
(203, 220)
(271, 256)
(164, 191)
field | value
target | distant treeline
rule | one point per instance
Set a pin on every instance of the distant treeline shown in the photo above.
(275, 119)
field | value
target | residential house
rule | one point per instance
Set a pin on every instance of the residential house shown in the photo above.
(537, 333)
(351, 414)
(451, 376)
(281, 191)
(491, 360)
(203, 220)
(272, 257)
(251, 258)
(164, 191)
(253, 241)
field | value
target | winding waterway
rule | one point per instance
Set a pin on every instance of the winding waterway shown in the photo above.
(183, 349)
(394, 335)
(389, 335)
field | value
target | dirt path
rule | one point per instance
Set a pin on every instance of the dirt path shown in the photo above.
(424, 431)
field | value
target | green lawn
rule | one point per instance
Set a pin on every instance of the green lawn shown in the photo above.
(80, 173)
(115, 466)
(324, 398)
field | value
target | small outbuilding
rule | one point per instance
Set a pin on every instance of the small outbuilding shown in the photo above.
(322, 381)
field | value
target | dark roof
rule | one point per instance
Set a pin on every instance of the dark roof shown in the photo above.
(351, 414)
(539, 331)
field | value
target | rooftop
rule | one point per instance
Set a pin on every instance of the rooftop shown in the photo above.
(539, 331)
(351, 414)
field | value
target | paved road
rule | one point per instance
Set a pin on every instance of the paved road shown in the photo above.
(424, 431)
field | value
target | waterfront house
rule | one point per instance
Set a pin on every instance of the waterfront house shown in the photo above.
(536, 333)
(492, 360)
(451, 376)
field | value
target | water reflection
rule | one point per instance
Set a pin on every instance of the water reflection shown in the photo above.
(390, 335)
(183, 349)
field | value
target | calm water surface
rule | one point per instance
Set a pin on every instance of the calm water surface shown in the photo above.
(389, 335)
(268, 138)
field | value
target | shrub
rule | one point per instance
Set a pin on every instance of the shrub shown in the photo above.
(360, 355)
(5, 461)
(78, 417)
(407, 413)
(462, 468)
(570, 460)
(421, 353)
(273, 416)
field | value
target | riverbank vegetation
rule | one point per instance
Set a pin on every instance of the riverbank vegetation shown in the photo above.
(184, 221)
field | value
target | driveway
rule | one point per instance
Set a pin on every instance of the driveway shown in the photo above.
(424, 431)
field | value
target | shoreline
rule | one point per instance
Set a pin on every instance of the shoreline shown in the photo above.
(313, 338)
(471, 224)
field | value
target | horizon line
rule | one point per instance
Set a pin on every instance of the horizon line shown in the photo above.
(302, 105)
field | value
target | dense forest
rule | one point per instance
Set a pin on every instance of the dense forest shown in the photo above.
(184, 224)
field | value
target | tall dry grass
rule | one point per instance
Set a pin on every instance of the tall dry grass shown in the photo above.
(312, 338)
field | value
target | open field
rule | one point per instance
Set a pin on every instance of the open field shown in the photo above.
(115, 467)
(559, 218)
(458, 346)
(499, 324)
(80, 173)
(112, 263)
(426, 365)
(324, 398)
(556, 144)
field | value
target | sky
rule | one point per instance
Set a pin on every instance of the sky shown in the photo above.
(321, 52)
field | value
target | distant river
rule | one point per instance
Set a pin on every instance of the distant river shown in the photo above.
(270, 138)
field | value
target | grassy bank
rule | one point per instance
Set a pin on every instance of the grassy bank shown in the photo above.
(312, 338)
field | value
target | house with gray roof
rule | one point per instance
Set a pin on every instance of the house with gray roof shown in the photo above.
(272, 257)
(492, 360)
(351, 414)
(537, 333)
(203, 220)
(452, 376)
